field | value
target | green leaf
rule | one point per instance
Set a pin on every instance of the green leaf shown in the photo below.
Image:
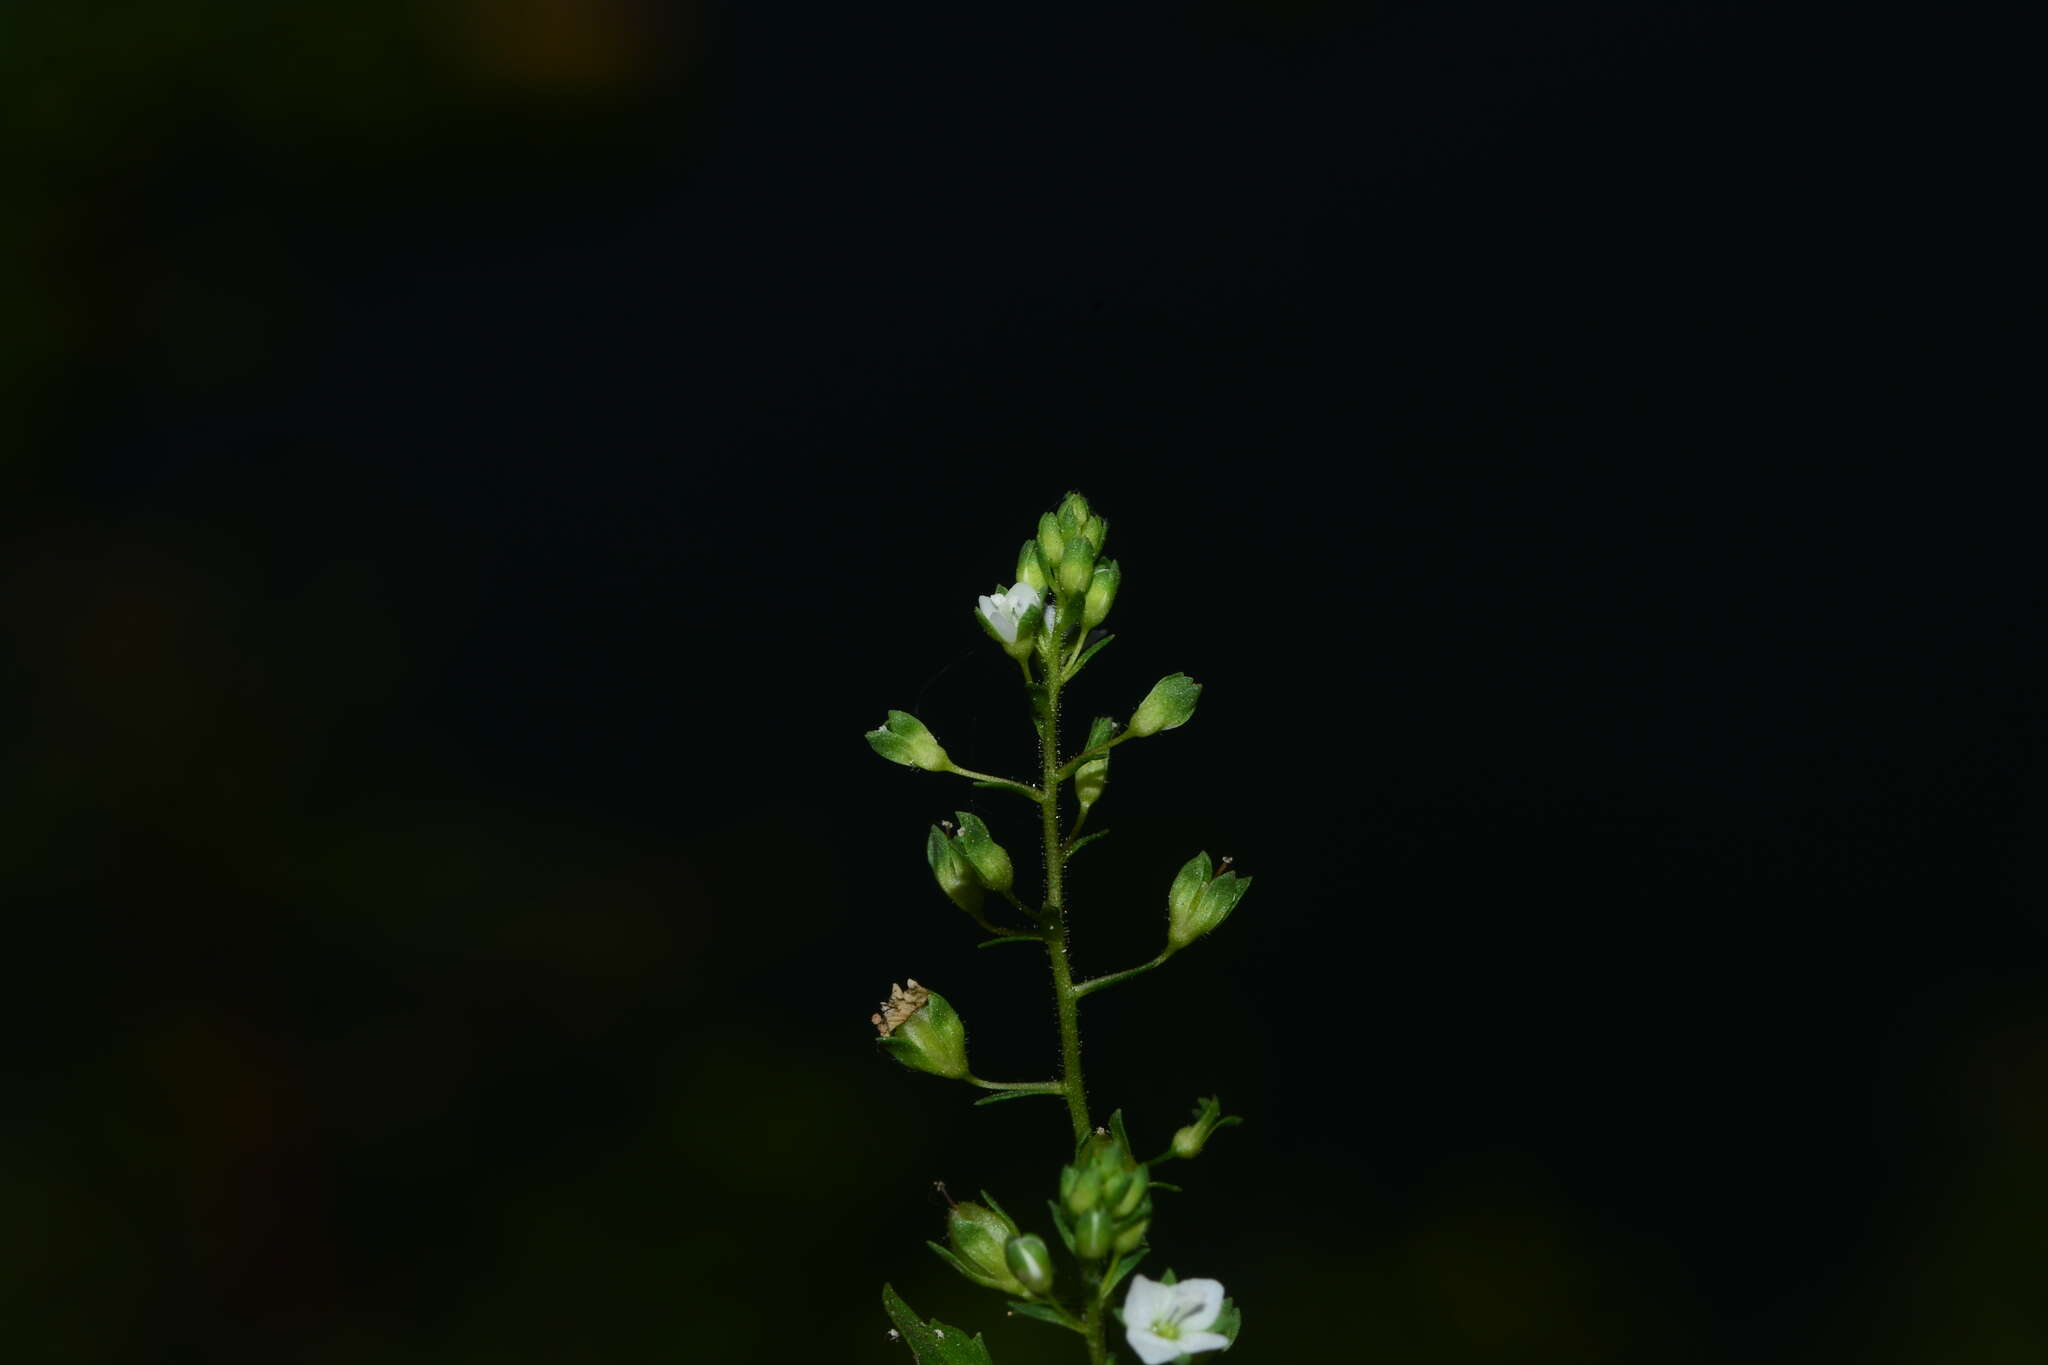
(1228, 1320)
(1044, 1312)
(1086, 655)
(1002, 1095)
(1059, 1220)
(1117, 1272)
(1162, 1185)
(1086, 840)
(935, 1342)
(1116, 1126)
(1010, 938)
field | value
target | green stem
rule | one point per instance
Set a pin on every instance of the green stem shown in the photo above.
(1035, 1087)
(1098, 1351)
(1073, 765)
(1098, 983)
(1022, 789)
(1065, 1000)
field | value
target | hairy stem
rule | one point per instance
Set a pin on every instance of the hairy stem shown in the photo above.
(1065, 1000)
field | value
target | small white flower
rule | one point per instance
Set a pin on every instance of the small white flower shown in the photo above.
(1005, 611)
(1166, 1321)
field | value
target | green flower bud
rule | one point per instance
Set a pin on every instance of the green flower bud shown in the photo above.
(1196, 903)
(1091, 777)
(1094, 1234)
(1077, 566)
(1050, 542)
(1072, 514)
(1030, 1262)
(1186, 890)
(1127, 1240)
(1169, 704)
(1102, 586)
(1031, 568)
(979, 1237)
(1209, 1116)
(920, 1030)
(1097, 530)
(954, 873)
(903, 739)
(990, 862)
(1080, 1189)
(1133, 1193)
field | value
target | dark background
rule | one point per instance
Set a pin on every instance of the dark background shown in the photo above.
(475, 470)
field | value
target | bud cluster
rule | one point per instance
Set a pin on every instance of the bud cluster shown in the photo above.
(1064, 562)
(1105, 1199)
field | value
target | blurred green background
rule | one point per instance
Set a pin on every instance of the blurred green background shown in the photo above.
(474, 469)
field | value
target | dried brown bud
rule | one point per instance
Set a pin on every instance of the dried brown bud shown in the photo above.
(903, 1002)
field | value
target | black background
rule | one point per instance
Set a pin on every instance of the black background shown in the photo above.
(480, 474)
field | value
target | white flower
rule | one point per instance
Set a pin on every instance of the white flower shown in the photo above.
(1166, 1321)
(1003, 613)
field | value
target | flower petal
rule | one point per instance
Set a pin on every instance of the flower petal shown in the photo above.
(1197, 1302)
(1152, 1348)
(1191, 1342)
(1147, 1301)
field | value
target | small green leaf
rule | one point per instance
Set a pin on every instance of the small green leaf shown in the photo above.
(935, 1342)
(1118, 1271)
(1044, 1312)
(1059, 1220)
(1162, 1185)
(1084, 841)
(1002, 1095)
(1116, 1126)
(1010, 938)
(1086, 655)
(1228, 1320)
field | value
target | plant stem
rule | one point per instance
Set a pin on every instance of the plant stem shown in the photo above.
(1089, 987)
(1098, 1352)
(1065, 1000)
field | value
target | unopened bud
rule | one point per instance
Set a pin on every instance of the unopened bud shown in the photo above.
(1102, 586)
(1170, 703)
(991, 864)
(1030, 568)
(1091, 777)
(1188, 1142)
(979, 1237)
(903, 739)
(953, 872)
(1050, 542)
(1197, 902)
(1094, 1234)
(1030, 1261)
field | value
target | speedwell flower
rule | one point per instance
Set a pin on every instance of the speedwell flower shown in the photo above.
(1007, 617)
(1164, 1322)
